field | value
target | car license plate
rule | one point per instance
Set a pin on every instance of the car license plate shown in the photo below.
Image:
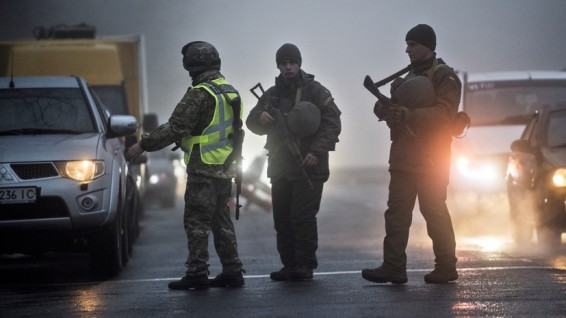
(18, 195)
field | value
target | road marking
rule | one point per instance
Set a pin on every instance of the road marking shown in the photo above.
(416, 270)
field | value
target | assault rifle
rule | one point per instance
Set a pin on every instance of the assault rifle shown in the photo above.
(373, 88)
(290, 142)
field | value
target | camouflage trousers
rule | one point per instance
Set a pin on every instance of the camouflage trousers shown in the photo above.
(206, 210)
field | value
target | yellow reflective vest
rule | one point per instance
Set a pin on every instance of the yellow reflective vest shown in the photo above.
(215, 146)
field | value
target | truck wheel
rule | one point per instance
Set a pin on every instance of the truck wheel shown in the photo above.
(106, 251)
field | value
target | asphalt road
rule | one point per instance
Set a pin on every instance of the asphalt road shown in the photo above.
(497, 278)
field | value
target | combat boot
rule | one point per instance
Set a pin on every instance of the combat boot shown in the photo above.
(227, 280)
(441, 276)
(190, 282)
(382, 275)
(301, 273)
(281, 275)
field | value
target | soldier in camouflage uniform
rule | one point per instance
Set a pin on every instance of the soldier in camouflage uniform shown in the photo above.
(295, 204)
(209, 184)
(419, 160)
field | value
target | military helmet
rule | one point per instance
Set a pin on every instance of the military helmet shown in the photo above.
(415, 92)
(199, 56)
(304, 119)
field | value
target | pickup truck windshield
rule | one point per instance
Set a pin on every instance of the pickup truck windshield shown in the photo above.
(44, 111)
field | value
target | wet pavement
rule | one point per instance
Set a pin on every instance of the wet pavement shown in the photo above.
(497, 278)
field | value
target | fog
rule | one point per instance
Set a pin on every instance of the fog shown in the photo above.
(340, 40)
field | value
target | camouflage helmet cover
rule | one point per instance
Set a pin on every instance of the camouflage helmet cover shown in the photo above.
(199, 56)
(414, 92)
(304, 119)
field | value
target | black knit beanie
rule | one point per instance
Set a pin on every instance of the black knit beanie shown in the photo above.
(288, 51)
(422, 34)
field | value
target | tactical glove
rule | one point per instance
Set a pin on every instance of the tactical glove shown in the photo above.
(397, 115)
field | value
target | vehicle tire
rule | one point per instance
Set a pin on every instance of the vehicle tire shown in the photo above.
(106, 250)
(125, 237)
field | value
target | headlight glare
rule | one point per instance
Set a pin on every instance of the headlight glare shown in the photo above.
(476, 170)
(85, 170)
(559, 177)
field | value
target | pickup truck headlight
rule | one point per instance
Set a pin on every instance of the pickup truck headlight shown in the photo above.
(559, 177)
(85, 170)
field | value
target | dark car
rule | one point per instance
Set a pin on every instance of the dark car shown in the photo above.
(536, 177)
(499, 105)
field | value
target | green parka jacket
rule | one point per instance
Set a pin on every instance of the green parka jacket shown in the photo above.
(428, 151)
(281, 163)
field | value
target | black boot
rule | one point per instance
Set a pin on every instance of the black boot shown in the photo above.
(190, 282)
(441, 275)
(301, 273)
(282, 275)
(383, 275)
(227, 280)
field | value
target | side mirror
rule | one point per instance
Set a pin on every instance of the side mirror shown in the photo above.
(122, 125)
(521, 145)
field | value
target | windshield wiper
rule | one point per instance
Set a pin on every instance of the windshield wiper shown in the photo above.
(38, 131)
(559, 145)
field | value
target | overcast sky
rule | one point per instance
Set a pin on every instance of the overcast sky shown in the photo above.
(340, 40)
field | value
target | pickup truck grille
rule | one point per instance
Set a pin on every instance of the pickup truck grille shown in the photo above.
(27, 171)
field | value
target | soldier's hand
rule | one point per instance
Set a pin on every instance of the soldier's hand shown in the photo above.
(397, 115)
(134, 151)
(266, 119)
(310, 160)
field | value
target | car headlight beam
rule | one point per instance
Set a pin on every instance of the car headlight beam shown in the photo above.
(476, 170)
(84, 170)
(559, 178)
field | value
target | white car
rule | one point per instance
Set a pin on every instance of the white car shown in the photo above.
(499, 105)
(64, 183)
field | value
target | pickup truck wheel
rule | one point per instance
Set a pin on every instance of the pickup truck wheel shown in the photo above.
(125, 237)
(106, 251)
